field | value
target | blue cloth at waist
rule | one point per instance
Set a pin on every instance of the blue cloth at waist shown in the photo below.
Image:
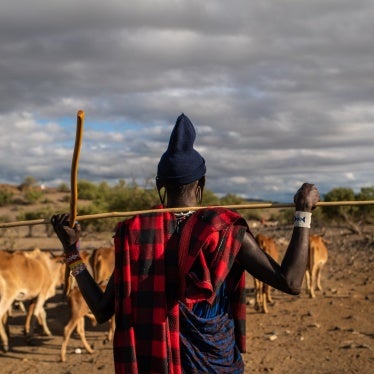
(207, 338)
(220, 306)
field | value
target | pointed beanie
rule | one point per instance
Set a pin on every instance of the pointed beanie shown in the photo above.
(181, 163)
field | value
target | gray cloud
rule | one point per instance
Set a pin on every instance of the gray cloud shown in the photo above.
(280, 92)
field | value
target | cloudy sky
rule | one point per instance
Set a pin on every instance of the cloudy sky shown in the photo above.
(280, 92)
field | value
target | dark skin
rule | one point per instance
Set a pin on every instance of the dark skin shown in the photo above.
(287, 277)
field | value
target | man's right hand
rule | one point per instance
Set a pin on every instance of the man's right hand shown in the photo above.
(69, 236)
(306, 197)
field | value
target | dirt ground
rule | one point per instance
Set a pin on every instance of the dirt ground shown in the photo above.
(332, 333)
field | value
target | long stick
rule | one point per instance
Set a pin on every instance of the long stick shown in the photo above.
(74, 169)
(181, 209)
(74, 187)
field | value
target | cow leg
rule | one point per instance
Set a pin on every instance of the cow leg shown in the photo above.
(68, 329)
(313, 282)
(307, 281)
(92, 318)
(318, 275)
(260, 292)
(112, 326)
(264, 298)
(5, 323)
(30, 312)
(4, 336)
(82, 335)
(268, 294)
(78, 308)
(42, 319)
(30, 334)
(5, 304)
(258, 301)
(34, 318)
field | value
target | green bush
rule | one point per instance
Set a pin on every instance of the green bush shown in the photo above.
(63, 187)
(28, 183)
(5, 197)
(339, 213)
(366, 212)
(32, 195)
(87, 190)
(45, 213)
(96, 225)
(4, 218)
(210, 199)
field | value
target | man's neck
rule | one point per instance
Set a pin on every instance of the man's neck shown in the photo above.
(181, 203)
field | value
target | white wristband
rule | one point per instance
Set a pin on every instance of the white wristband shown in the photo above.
(302, 219)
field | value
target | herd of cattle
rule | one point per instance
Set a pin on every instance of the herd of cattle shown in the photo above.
(35, 276)
(317, 259)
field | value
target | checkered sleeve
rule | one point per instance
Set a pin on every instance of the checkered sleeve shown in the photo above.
(146, 331)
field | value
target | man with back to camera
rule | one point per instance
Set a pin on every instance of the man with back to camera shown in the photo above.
(178, 287)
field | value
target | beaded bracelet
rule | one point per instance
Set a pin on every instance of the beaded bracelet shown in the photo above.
(77, 268)
(302, 219)
(75, 262)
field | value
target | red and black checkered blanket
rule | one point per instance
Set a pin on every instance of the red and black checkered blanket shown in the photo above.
(154, 267)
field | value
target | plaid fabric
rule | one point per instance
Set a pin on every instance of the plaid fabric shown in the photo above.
(147, 280)
(146, 338)
(208, 246)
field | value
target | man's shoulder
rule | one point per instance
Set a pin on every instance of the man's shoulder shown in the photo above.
(218, 217)
(147, 219)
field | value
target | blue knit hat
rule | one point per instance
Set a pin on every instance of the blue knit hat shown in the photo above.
(181, 163)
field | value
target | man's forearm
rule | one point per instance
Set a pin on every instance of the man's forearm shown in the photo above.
(296, 258)
(97, 300)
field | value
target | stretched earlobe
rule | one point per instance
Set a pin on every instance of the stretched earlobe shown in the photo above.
(162, 195)
(200, 190)
(160, 186)
(199, 195)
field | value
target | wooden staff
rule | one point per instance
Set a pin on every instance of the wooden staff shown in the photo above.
(74, 186)
(181, 209)
(74, 169)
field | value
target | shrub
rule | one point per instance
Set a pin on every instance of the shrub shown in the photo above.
(63, 187)
(32, 195)
(5, 197)
(87, 190)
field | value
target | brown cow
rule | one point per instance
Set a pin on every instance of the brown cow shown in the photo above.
(42, 317)
(25, 276)
(263, 290)
(317, 259)
(101, 264)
